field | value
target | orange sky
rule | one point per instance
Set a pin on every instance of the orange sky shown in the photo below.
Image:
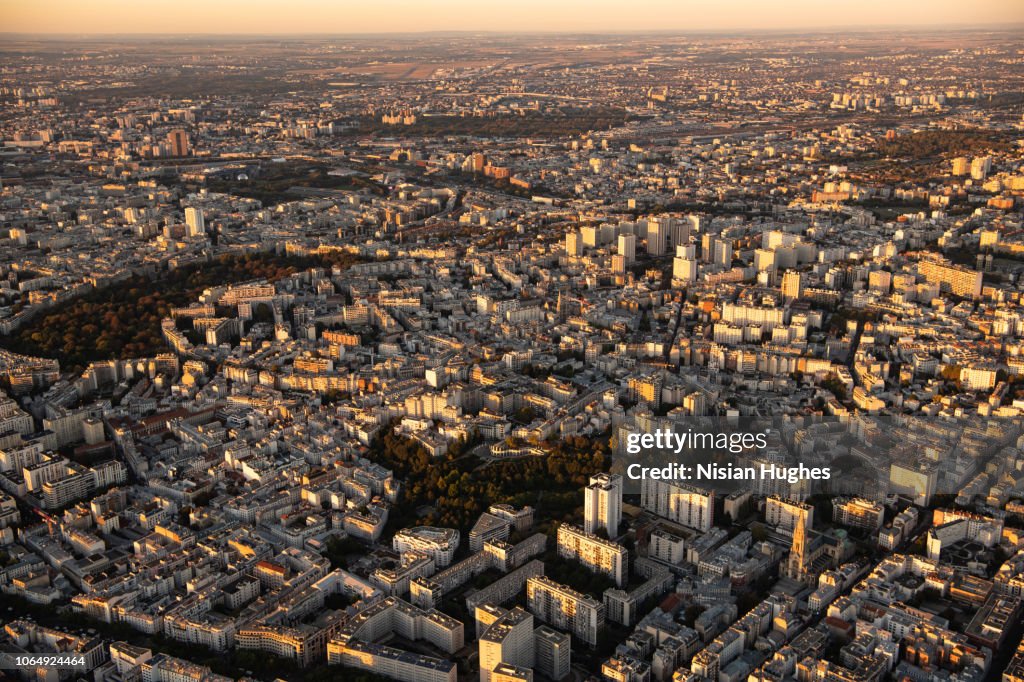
(342, 16)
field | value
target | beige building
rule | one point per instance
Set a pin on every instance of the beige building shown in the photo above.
(957, 280)
(508, 640)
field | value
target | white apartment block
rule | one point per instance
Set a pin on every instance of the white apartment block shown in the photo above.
(680, 503)
(552, 652)
(440, 544)
(602, 506)
(597, 554)
(783, 514)
(563, 607)
(509, 639)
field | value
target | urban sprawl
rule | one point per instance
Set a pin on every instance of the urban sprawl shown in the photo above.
(315, 355)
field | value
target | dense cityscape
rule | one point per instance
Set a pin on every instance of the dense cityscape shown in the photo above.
(319, 357)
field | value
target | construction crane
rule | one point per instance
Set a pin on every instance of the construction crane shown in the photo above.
(51, 522)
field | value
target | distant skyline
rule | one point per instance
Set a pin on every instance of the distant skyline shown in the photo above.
(195, 17)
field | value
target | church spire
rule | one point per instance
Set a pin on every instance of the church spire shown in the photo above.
(797, 564)
(799, 546)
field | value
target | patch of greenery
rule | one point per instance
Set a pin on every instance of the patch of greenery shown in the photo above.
(931, 143)
(456, 489)
(284, 181)
(123, 321)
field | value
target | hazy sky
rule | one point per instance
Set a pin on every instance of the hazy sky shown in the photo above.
(373, 16)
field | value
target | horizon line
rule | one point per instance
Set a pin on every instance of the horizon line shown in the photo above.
(1002, 27)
